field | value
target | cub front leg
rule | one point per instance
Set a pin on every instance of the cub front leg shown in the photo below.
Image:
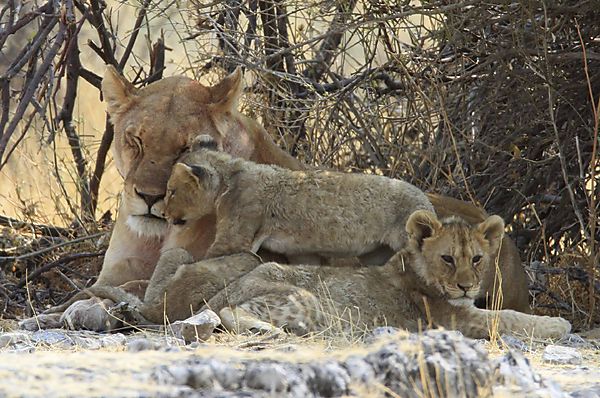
(544, 327)
(479, 323)
(233, 236)
(168, 263)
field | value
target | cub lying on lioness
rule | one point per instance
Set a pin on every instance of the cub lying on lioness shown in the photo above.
(295, 213)
(433, 280)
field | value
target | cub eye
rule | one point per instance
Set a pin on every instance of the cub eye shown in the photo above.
(476, 259)
(448, 259)
(179, 221)
(170, 193)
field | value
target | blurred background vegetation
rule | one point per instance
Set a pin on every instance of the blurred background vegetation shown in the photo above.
(494, 102)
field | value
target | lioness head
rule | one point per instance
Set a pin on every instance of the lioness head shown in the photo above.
(452, 254)
(154, 125)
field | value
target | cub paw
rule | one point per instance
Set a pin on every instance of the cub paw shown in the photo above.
(265, 328)
(42, 321)
(92, 314)
(176, 255)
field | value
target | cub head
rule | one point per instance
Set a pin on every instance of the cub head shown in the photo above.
(191, 193)
(154, 125)
(452, 255)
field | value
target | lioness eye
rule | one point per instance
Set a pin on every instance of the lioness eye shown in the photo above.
(448, 259)
(476, 259)
(134, 142)
(179, 221)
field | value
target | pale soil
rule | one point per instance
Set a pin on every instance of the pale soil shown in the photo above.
(74, 364)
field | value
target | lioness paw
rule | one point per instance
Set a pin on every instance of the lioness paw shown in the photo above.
(91, 314)
(42, 321)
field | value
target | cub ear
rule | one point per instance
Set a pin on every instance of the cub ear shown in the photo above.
(199, 172)
(226, 94)
(492, 229)
(204, 141)
(422, 224)
(117, 91)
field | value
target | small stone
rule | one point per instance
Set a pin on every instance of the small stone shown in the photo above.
(229, 377)
(113, 340)
(269, 377)
(590, 392)
(7, 339)
(514, 343)
(380, 332)
(198, 327)
(562, 355)
(202, 377)
(137, 345)
(52, 337)
(359, 370)
(331, 379)
(574, 340)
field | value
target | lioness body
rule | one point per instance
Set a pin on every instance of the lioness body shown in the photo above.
(294, 213)
(434, 280)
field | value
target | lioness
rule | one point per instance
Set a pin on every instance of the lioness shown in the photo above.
(434, 279)
(153, 126)
(295, 213)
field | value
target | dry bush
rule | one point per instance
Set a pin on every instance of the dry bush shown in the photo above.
(495, 102)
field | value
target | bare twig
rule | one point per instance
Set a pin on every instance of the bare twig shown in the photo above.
(47, 230)
(51, 248)
(60, 262)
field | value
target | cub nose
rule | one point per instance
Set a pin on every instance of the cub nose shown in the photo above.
(148, 198)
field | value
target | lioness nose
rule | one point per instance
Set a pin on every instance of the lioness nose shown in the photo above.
(465, 286)
(149, 199)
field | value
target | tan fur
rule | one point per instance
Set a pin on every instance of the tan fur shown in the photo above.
(325, 213)
(515, 292)
(415, 283)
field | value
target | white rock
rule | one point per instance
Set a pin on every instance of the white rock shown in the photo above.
(197, 327)
(562, 355)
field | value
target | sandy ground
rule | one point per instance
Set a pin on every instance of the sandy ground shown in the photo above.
(58, 364)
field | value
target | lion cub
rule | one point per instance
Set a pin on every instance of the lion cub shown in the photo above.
(299, 214)
(433, 280)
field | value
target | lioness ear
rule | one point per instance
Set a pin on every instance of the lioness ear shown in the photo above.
(492, 229)
(117, 90)
(422, 224)
(226, 94)
(204, 141)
